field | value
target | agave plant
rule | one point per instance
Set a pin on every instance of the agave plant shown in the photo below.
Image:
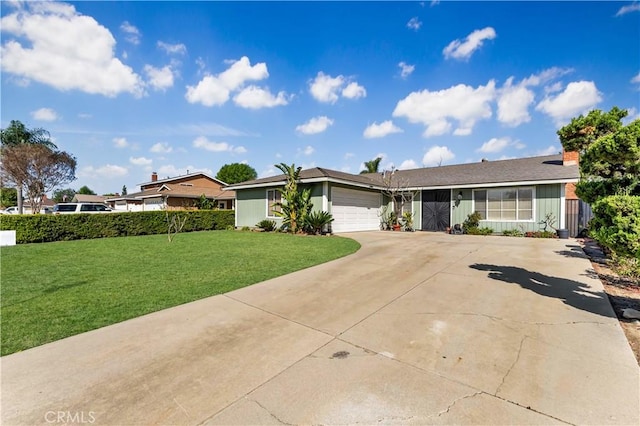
(316, 221)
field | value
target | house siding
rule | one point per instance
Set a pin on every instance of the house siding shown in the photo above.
(251, 207)
(547, 200)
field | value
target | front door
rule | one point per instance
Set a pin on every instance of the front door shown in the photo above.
(436, 206)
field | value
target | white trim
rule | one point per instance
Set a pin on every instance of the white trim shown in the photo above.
(267, 203)
(376, 186)
(325, 196)
(494, 185)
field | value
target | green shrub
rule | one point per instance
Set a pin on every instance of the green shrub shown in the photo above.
(616, 224)
(471, 222)
(267, 225)
(317, 221)
(513, 233)
(46, 228)
(479, 231)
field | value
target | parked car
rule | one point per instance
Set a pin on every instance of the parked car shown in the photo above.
(11, 210)
(68, 208)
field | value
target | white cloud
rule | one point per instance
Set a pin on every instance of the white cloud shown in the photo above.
(495, 145)
(173, 49)
(216, 89)
(107, 171)
(577, 98)
(464, 49)
(354, 91)
(414, 23)
(315, 125)
(437, 155)
(636, 80)
(324, 88)
(204, 143)
(462, 103)
(120, 142)
(308, 150)
(406, 69)
(159, 78)
(381, 130)
(513, 104)
(44, 114)
(254, 97)
(349, 155)
(633, 7)
(408, 164)
(550, 150)
(545, 76)
(132, 33)
(632, 114)
(161, 148)
(61, 48)
(140, 161)
(170, 170)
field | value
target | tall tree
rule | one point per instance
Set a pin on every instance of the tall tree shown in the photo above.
(609, 177)
(85, 190)
(124, 189)
(372, 166)
(17, 134)
(38, 169)
(236, 173)
(609, 162)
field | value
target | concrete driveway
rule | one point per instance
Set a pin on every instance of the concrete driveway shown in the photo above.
(415, 328)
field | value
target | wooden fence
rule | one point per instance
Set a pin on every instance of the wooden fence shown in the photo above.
(578, 215)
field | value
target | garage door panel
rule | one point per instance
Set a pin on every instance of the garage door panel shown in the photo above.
(355, 210)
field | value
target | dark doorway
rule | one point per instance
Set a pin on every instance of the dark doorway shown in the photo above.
(436, 205)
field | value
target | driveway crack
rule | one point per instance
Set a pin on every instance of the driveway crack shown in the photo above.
(279, 420)
(450, 406)
(512, 365)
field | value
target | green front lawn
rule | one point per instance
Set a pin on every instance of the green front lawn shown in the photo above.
(55, 290)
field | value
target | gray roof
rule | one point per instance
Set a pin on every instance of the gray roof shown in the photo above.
(530, 169)
(309, 174)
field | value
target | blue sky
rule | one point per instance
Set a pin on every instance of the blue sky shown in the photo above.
(135, 87)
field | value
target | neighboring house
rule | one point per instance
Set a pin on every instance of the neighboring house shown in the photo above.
(177, 193)
(509, 194)
(86, 198)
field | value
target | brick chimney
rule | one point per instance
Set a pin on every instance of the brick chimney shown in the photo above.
(154, 177)
(570, 158)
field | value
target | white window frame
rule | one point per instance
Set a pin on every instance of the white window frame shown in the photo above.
(269, 203)
(510, 188)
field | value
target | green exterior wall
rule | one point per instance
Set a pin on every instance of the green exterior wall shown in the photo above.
(251, 205)
(547, 200)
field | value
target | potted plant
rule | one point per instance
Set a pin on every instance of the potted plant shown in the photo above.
(393, 222)
(407, 219)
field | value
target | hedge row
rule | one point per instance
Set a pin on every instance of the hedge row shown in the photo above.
(42, 228)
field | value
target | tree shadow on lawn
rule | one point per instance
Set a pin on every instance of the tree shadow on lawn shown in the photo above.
(572, 293)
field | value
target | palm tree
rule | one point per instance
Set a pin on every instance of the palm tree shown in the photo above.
(372, 166)
(18, 134)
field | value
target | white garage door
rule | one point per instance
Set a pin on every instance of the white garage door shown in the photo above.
(354, 210)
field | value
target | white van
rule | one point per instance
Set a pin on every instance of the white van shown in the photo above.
(67, 208)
